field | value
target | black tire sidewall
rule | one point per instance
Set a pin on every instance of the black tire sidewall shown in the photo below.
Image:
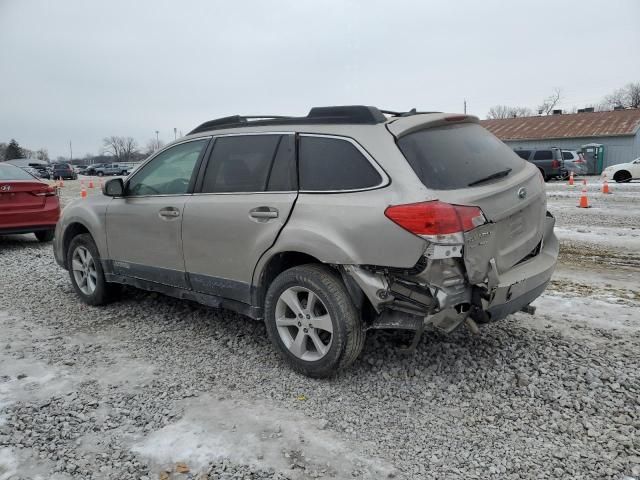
(622, 177)
(100, 294)
(341, 310)
(44, 236)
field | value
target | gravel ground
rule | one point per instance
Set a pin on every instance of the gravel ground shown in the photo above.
(152, 387)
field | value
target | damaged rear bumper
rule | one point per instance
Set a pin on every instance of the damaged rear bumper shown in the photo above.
(523, 283)
(444, 292)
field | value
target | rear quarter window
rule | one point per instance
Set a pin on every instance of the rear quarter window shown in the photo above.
(329, 164)
(455, 156)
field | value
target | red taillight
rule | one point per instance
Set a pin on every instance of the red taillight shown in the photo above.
(49, 192)
(435, 219)
(555, 164)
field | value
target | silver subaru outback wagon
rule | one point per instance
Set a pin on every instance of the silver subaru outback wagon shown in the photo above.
(324, 227)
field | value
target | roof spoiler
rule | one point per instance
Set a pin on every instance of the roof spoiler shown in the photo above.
(404, 125)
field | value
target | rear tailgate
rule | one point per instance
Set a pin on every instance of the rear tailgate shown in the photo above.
(464, 164)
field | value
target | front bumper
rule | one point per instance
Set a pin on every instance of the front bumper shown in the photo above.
(522, 284)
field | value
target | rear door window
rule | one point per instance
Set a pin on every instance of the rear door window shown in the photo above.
(543, 155)
(455, 156)
(333, 164)
(283, 176)
(242, 163)
(523, 154)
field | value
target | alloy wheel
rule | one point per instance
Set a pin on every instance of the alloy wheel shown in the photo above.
(304, 323)
(84, 270)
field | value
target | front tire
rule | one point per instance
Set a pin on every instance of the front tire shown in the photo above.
(312, 321)
(85, 270)
(100, 174)
(44, 236)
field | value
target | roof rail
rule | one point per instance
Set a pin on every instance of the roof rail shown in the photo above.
(352, 114)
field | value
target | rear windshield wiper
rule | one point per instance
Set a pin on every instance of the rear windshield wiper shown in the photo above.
(500, 174)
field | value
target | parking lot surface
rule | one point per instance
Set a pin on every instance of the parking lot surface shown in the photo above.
(152, 387)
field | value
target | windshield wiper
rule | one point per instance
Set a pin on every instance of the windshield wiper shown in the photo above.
(500, 174)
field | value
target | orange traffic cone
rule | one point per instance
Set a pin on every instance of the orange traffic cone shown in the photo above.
(605, 185)
(584, 202)
(91, 183)
(571, 179)
(83, 192)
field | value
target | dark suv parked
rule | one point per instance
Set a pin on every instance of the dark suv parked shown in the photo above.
(548, 160)
(64, 171)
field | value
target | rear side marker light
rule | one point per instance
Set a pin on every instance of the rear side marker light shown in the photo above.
(436, 221)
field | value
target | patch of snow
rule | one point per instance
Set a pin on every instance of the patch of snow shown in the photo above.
(565, 311)
(8, 463)
(254, 434)
(615, 237)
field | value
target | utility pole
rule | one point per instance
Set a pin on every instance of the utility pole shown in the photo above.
(70, 152)
(465, 106)
(157, 140)
(175, 133)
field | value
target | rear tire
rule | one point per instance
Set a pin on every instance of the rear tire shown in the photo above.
(622, 176)
(100, 174)
(44, 236)
(308, 349)
(94, 290)
(544, 177)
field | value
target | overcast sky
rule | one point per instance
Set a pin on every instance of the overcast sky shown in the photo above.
(81, 70)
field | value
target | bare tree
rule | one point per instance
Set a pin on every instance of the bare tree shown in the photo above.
(626, 97)
(504, 111)
(549, 103)
(42, 154)
(122, 148)
(153, 145)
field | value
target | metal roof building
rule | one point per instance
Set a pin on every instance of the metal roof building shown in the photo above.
(618, 131)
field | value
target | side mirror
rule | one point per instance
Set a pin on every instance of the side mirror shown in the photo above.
(113, 188)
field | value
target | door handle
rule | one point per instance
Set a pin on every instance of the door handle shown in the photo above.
(264, 212)
(169, 212)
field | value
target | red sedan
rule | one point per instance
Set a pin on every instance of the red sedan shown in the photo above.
(27, 205)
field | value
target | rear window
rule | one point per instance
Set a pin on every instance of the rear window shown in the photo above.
(567, 155)
(524, 154)
(454, 156)
(11, 172)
